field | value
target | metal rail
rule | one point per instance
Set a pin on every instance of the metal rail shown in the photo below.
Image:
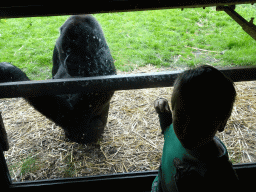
(108, 83)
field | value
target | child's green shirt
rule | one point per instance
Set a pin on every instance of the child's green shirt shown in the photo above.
(176, 157)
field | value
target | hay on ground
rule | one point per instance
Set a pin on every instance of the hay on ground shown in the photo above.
(132, 140)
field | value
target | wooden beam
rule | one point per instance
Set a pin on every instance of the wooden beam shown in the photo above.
(10, 9)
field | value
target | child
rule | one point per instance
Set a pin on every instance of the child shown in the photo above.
(193, 158)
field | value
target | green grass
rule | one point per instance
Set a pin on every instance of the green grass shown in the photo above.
(28, 165)
(137, 39)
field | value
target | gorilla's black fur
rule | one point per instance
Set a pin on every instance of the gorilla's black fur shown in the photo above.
(80, 51)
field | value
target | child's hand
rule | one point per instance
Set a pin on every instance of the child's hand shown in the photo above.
(164, 113)
(162, 106)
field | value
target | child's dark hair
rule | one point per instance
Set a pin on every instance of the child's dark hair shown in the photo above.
(204, 93)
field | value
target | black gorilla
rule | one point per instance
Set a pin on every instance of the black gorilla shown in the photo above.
(80, 51)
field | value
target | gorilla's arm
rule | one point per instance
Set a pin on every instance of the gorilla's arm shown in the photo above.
(53, 107)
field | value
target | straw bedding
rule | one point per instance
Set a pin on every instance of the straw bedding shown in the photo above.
(132, 140)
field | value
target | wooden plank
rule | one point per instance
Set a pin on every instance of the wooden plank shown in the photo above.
(12, 9)
(107, 83)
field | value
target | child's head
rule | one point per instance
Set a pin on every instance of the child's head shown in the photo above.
(202, 102)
